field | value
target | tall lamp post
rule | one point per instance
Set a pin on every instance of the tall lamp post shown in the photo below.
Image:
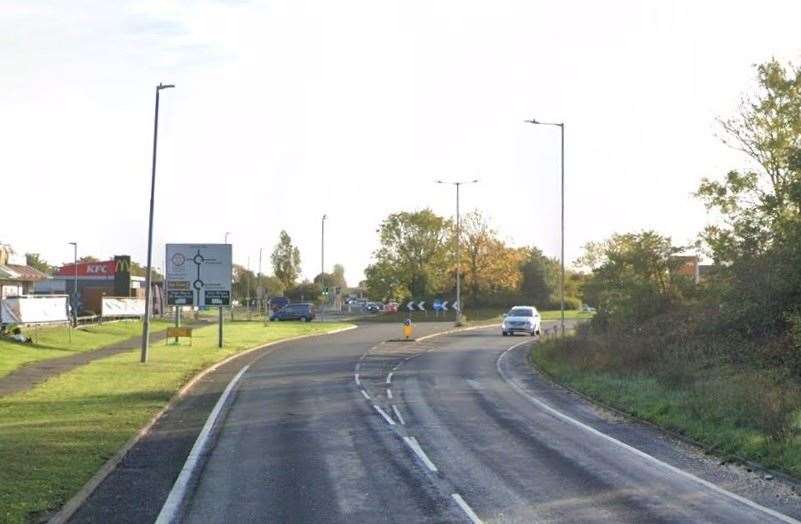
(561, 126)
(322, 265)
(226, 236)
(148, 274)
(74, 282)
(458, 184)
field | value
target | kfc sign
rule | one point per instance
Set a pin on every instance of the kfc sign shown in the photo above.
(96, 270)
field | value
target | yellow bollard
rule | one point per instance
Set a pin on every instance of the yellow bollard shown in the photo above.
(407, 328)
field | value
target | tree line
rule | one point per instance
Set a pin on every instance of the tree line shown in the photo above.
(416, 259)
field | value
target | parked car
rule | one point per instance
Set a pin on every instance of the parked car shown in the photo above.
(373, 307)
(391, 307)
(521, 319)
(277, 303)
(302, 312)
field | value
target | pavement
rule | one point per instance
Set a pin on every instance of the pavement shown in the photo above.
(457, 428)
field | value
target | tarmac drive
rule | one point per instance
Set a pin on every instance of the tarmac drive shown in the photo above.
(348, 428)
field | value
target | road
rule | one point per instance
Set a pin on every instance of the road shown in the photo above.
(451, 429)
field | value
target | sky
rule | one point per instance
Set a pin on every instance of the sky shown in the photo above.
(285, 111)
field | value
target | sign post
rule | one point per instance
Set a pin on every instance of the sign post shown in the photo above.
(199, 275)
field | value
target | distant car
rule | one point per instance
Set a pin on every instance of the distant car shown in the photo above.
(521, 319)
(277, 303)
(373, 307)
(391, 307)
(587, 309)
(302, 312)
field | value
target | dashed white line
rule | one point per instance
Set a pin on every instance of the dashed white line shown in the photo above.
(358, 365)
(389, 394)
(466, 508)
(397, 414)
(415, 446)
(357, 380)
(365, 394)
(389, 378)
(383, 413)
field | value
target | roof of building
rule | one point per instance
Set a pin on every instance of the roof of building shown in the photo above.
(20, 273)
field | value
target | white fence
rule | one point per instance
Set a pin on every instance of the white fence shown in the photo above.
(122, 307)
(33, 309)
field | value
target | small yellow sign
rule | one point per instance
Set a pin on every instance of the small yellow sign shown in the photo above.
(407, 330)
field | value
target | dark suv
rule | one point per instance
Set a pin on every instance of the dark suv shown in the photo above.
(302, 312)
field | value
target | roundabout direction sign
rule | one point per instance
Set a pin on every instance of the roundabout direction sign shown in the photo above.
(198, 274)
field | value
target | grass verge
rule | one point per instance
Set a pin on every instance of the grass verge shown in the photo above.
(54, 342)
(54, 437)
(735, 412)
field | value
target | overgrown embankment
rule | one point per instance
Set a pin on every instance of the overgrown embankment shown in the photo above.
(736, 397)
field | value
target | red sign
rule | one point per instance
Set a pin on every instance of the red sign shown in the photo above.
(99, 270)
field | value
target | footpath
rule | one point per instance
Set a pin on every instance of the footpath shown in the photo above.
(30, 375)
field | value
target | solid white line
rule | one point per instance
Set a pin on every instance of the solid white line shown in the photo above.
(397, 414)
(466, 508)
(357, 380)
(389, 394)
(389, 378)
(365, 394)
(635, 451)
(169, 512)
(415, 446)
(384, 414)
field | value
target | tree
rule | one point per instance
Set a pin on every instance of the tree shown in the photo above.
(413, 257)
(634, 277)
(335, 279)
(88, 258)
(305, 291)
(757, 247)
(286, 261)
(540, 277)
(35, 261)
(489, 266)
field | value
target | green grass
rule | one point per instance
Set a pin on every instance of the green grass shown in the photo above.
(54, 342)
(54, 438)
(731, 411)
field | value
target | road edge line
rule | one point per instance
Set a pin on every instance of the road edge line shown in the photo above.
(82, 495)
(177, 497)
(581, 425)
(466, 508)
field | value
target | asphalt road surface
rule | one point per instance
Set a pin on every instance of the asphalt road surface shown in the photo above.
(455, 428)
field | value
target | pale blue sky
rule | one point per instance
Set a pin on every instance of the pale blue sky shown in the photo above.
(287, 110)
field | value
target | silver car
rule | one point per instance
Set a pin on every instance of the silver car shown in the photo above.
(521, 319)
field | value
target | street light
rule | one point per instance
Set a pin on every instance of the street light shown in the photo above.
(322, 265)
(561, 126)
(458, 184)
(226, 236)
(148, 275)
(74, 282)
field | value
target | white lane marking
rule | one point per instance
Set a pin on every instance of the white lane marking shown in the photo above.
(389, 394)
(635, 451)
(397, 414)
(474, 384)
(384, 414)
(358, 365)
(415, 446)
(365, 394)
(358, 383)
(466, 508)
(170, 509)
(389, 378)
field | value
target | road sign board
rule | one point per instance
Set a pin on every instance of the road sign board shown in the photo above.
(455, 307)
(437, 305)
(410, 306)
(199, 274)
(420, 305)
(444, 305)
